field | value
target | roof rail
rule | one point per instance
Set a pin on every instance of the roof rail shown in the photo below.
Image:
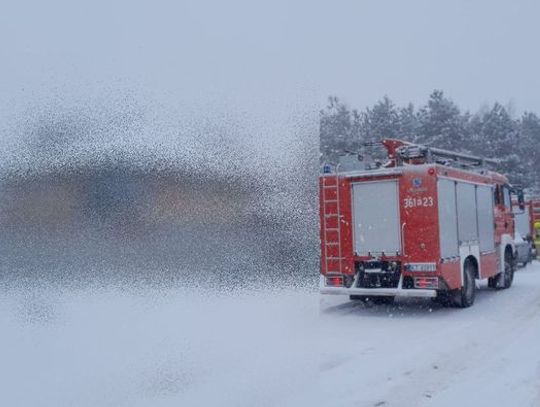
(405, 152)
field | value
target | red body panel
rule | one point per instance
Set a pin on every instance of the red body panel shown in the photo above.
(418, 211)
(451, 273)
(488, 264)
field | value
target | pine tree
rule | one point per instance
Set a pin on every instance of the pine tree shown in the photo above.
(497, 136)
(408, 123)
(529, 151)
(381, 121)
(491, 132)
(335, 129)
(441, 123)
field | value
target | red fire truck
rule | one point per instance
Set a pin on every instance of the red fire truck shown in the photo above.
(534, 210)
(528, 222)
(428, 223)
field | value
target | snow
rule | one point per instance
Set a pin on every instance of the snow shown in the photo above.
(175, 346)
(155, 347)
(418, 354)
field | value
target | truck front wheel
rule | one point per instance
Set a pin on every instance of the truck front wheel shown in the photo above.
(509, 267)
(508, 277)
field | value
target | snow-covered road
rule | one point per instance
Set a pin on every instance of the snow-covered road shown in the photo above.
(178, 346)
(418, 354)
(156, 347)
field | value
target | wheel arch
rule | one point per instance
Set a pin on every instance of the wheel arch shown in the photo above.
(476, 264)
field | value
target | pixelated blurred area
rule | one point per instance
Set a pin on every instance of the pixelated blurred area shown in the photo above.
(78, 206)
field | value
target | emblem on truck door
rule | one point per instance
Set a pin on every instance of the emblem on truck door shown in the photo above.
(417, 182)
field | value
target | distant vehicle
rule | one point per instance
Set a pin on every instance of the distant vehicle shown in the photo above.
(524, 232)
(534, 209)
(525, 251)
(428, 223)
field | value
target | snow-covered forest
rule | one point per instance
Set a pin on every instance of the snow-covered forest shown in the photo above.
(492, 132)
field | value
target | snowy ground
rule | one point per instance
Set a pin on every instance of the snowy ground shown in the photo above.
(112, 346)
(416, 354)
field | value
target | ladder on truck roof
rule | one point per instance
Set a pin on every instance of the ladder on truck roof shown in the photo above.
(408, 151)
(330, 199)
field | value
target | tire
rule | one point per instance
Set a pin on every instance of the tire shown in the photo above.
(464, 297)
(443, 298)
(509, 268)
(492, 281)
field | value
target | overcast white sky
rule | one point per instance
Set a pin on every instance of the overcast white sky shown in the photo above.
(249, 53)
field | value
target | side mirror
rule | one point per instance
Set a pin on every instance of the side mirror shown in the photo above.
(517, 190)
(521, 199)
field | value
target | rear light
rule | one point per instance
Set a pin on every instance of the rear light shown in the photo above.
(426, 282)
(334, 281)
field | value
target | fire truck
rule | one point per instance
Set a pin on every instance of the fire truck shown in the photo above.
(535, 222)
(427, 223)
(532, 215)
(528, 222)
